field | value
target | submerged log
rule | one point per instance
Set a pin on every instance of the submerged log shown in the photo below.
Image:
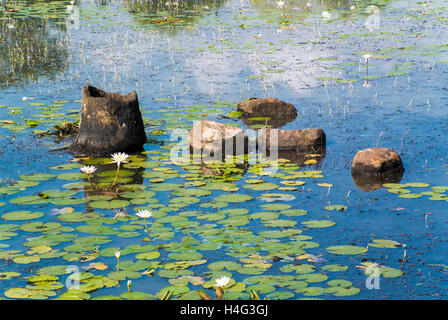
(110, 122)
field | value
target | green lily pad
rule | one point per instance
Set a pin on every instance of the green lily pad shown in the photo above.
(104, 204)
(261, 186)
(8, 275)
(37, 176)
(318, 223)
(294, 212)
(410, 195)
(233, 198)
(40, 226)
(148, 255)
(276, 206)
(22, 215)
(135, 295)
(71, 176)
(416, 185)
(334, 267)
(25, 259)
(186, 256)
(346, 250)
(336, 207)
(381, 243)
(54, 270)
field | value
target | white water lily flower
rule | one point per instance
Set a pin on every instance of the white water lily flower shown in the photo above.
(280, 4)
(367, 56)
(119, 157)
(117, 254)
(222, 282)
(144, 214)
(88, 169)
(129, 284)
(366, 84)
(326, 14)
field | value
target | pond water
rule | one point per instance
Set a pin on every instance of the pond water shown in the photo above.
(193, 60)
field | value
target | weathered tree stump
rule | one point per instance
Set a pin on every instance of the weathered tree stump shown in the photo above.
(110, 122)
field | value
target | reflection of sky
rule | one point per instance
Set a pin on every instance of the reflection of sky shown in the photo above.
(230, 70)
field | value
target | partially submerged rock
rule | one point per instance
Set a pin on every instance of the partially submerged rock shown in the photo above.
(110, 122)
(376, 162)
(269, 112)
(215, 140)
(300, 140)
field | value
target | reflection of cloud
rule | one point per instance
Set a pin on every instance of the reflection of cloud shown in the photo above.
(292, 65)
(72, 21)
(225, 71)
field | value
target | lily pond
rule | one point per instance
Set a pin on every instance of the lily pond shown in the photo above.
(369, 73)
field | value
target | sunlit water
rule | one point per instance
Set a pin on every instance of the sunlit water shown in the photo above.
(229, 51)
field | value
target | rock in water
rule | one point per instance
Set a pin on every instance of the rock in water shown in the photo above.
(270, 111)
(301, 140)
(215, 140)
(377, 162)
(110, 122)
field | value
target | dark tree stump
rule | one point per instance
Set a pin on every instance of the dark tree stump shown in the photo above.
(110, 122)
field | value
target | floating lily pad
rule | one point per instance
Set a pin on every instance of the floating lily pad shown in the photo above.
(416, 185)
(334, 267)
(261, 186)
(318, 223)
(40, 226)
(71, 176)
(410, 195)
(148, 255)
(8, 275)
(234, 198)
(336, 207)
(346, 250)
(104, 204)
(382, 243)
(22, 215)
(37, 176)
